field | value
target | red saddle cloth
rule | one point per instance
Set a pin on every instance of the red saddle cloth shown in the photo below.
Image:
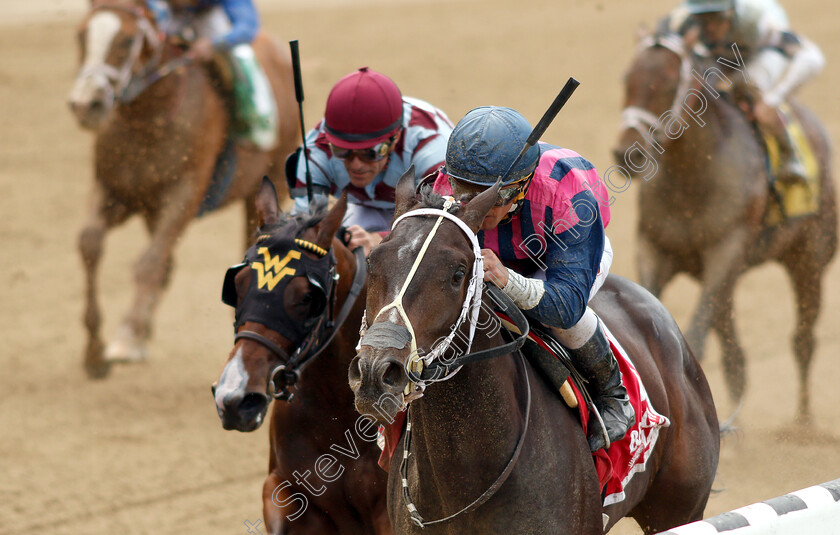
(616, 466)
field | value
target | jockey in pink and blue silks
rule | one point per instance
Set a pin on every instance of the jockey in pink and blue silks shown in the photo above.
(543, 242)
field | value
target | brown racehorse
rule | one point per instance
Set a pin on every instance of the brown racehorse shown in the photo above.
(495, 434)
(703, 213)
(155, 154)
(323, 474)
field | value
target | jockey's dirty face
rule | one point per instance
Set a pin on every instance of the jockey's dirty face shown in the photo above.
(715, 26)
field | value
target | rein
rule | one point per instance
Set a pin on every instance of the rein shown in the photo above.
(491, 490)
(285, 375)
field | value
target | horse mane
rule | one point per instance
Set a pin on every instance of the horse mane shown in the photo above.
(430, 199)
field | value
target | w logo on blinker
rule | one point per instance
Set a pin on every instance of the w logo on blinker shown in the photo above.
(272, 269)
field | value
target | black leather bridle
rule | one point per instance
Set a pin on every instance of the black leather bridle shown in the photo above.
(285, 375)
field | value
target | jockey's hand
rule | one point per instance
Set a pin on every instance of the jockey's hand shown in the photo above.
(765, 114)
(201, 50)
(359, 237)
(494, 271)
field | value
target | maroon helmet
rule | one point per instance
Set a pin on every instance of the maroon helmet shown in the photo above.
(364, 108)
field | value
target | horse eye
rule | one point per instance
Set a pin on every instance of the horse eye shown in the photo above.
(458, 276)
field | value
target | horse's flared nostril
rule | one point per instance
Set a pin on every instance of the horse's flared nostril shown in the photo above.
(354, 374)
(252, 405)
(393, 373)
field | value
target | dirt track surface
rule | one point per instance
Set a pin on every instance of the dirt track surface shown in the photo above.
(143, 451)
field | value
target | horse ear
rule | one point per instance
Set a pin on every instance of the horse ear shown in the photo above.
(641, 32)
(329, 225)
(405, 196)
(476, 210)
(268, 208)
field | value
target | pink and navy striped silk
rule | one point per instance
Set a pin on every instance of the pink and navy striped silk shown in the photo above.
(558, 230)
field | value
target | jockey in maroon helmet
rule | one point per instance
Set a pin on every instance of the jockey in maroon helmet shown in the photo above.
(369, 137)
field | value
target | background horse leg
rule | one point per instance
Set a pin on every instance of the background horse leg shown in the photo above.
(656, 268)
(734, 362)
(151, 273)
(103, 215)
(722, 263)
(806, 278)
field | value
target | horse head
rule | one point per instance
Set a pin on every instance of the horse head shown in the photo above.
(424, 288)
(656, 87)
(118, 41)
(285, 294)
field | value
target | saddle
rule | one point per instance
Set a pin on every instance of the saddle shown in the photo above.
(615, 466)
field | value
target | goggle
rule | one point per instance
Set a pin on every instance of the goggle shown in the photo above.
(375, 153)
(507, 194)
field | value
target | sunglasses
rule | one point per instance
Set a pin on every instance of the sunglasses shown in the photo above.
(372, 154)
(507, 194)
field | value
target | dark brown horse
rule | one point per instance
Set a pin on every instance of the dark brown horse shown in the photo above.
(155, 154)
(323, 475)
(703, 211)
(495, 439)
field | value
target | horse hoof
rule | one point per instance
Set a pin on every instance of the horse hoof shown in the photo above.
(126, 348)
(95, 366)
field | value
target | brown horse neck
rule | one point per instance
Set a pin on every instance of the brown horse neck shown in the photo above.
(456, 423)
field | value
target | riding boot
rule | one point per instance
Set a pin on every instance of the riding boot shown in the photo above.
(791, 169)
(254, 107)
(597, 363)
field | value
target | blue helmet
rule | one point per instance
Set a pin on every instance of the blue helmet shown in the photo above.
(484, 144)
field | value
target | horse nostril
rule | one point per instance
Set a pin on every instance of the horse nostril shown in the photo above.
(252, 405)
(393, 374)
(213, 389)
(97, 106)
(354, 374)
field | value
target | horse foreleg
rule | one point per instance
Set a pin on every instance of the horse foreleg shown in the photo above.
(734, 362)
(151, 273)
(102, 216)
(722, 263)
(656, 268)
(807, 284)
